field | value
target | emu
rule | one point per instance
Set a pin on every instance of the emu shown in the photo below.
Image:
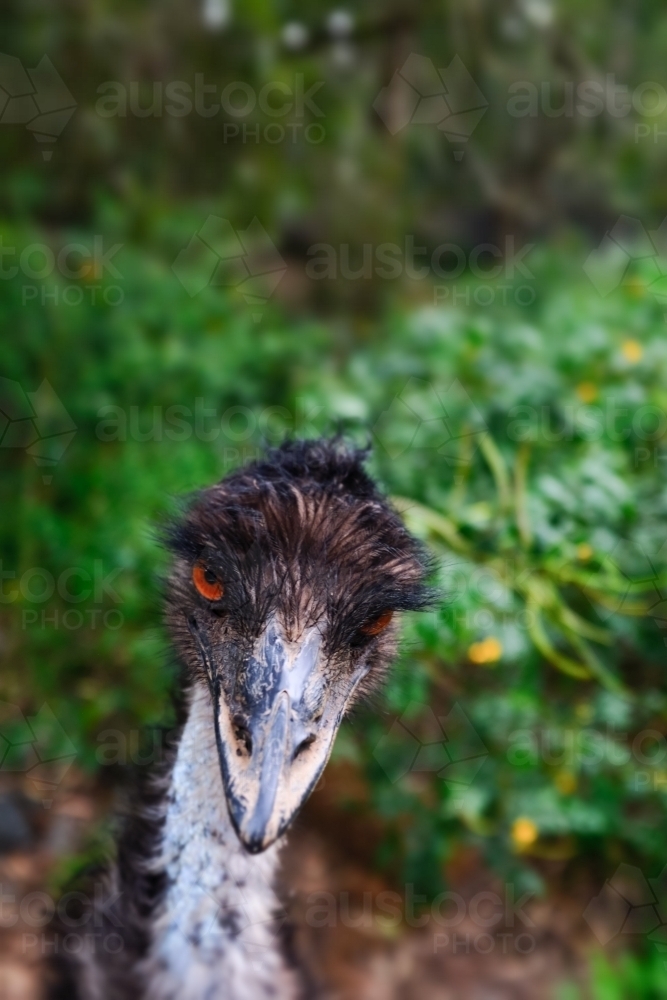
(281, 606)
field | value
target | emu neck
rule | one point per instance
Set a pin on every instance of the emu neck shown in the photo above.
(215, 935)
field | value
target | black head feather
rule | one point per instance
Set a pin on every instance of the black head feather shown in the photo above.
(305, 533)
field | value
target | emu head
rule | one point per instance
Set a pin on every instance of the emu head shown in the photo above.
(282, 599)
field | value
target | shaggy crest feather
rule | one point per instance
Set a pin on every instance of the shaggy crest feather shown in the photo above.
(307, 529)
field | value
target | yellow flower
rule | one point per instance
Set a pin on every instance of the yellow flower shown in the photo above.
(487, 651)
(632, 351)
(90, 271)
(635, 286)
(566, 782)
(659, 779)
(584, 551)
(524, 833)
(587, 392)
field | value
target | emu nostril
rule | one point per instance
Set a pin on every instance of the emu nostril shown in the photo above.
(242, 733)
(303, 745)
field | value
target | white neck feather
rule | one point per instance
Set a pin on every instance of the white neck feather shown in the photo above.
(214, 937)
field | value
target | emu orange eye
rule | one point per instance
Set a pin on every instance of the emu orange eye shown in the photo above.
(207, 583)
(378, 625)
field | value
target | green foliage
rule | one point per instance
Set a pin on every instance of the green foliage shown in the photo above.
(628, 977)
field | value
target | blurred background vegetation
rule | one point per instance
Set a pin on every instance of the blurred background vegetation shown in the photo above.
(515, 394)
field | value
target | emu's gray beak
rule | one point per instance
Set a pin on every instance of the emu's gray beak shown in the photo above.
(276, 732)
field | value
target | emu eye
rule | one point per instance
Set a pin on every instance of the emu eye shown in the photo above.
(378, 624)
(207, 583)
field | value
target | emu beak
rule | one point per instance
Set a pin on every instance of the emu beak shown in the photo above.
(275, 741)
